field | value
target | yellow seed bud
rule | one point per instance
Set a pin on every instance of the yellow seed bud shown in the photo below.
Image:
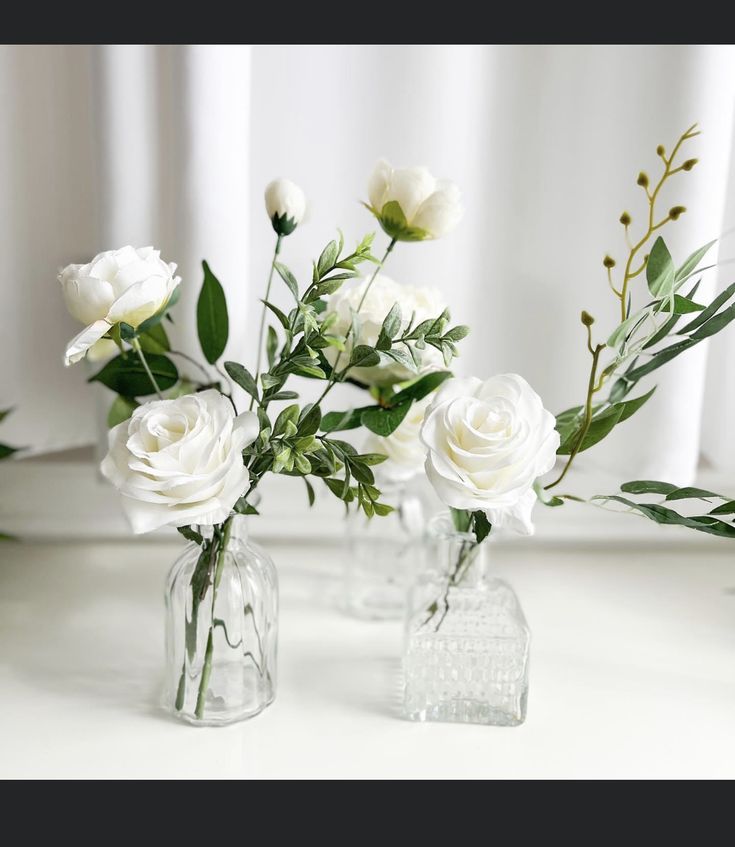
(587, 318)
(625, 219)
(676, 212)
(689, 164)
(608, 262)
(661, 150)
(642, 179)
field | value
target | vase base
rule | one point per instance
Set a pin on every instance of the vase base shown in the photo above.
(218, 720)
(467, 711)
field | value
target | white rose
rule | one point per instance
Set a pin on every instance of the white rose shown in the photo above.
(286, 204)
(426, 207)
(179, 462)
(488, 442)
(120, 286)
(405, 451)
(424, 303)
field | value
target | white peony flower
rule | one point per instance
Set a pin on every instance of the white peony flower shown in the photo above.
(120, 286)
(384, 293)
(488, 442)
(179, 462)
(411, 204)
(286, 204)
(405, 451)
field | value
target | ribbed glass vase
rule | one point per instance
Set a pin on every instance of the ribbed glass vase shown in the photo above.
(467, 645)
(221, 629)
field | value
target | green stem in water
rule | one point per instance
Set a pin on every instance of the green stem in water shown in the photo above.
(262, 315)
(333, 376)
(207, 668)
(141, 355)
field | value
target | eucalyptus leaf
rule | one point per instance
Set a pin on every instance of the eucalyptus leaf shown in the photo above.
(647, 486)
(691, 263)
(682, 306)
(711, 310)
(364, 357)
(271, 346)
(212, 317)
(282, 319)
(663, 515)
(289, 279)
(660, 358)
(598, 429)
(327, 259)
(385, 421)
(715, 324)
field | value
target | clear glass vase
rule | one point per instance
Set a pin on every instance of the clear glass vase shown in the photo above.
(467, 644)
(382, 554)
(221, 629)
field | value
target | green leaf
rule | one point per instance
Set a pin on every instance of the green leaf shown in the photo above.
(689, 492)
(660, 273)
(421, 387)
(283, 395)
(120, 410)
(242, 376)
(382, 509)
(691, 263)
(390, 328)
(481, 526)
(715, 324)
(682, 306)
(310, 491)
(289, 279)
(335, 421)
(568, 421)
(457, 333)
(364, 357)
(630, 407)
(309, 420)
(282, 319)
(624, 330)
(126, 375)
(155, 340)
(724, 509)
(200, 582)
(401, 356)
(310, 370)
(598, 429)
(338, 487)
(662, 515)
(4, 414)
(660, 358)
(704, 316)
(327, 259)
(648, 486)
(362, 472)
(385, 421)
(6, 451)
(290, 413)
(372, 458)
(212, 318)
(190, 534)
(271, 345)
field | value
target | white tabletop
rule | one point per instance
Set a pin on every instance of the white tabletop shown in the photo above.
(632, 672)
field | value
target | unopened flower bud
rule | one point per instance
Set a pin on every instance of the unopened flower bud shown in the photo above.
(608, 262)
(625, 219)
(676, 212)
(642, 179)
(661, 150)
(587, 318)
(689, 164)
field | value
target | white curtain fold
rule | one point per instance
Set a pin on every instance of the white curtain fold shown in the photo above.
(173, 146)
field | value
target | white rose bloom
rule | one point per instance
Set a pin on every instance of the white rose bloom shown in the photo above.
(179, 462)
(430, 207)
(384, 293)
(405, 451)
(285, 203)
(120, 286)
(488, 442)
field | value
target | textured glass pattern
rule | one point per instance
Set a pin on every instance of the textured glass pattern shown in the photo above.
(221, 658)
(467, 644)
(381, 556)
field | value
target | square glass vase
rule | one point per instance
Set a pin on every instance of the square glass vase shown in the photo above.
(467, 640)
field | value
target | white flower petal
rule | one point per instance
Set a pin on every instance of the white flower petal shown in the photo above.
(78, 346)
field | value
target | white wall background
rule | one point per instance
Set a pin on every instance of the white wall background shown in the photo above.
(102, 146)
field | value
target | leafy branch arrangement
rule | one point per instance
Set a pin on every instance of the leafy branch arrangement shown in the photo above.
(643, 341)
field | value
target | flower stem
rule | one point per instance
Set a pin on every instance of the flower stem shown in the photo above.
(207, 667)
(592, 386)
(261, 330)
(334, 374)
(141, 355)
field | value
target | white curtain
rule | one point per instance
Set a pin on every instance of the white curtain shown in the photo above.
(103, 146)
